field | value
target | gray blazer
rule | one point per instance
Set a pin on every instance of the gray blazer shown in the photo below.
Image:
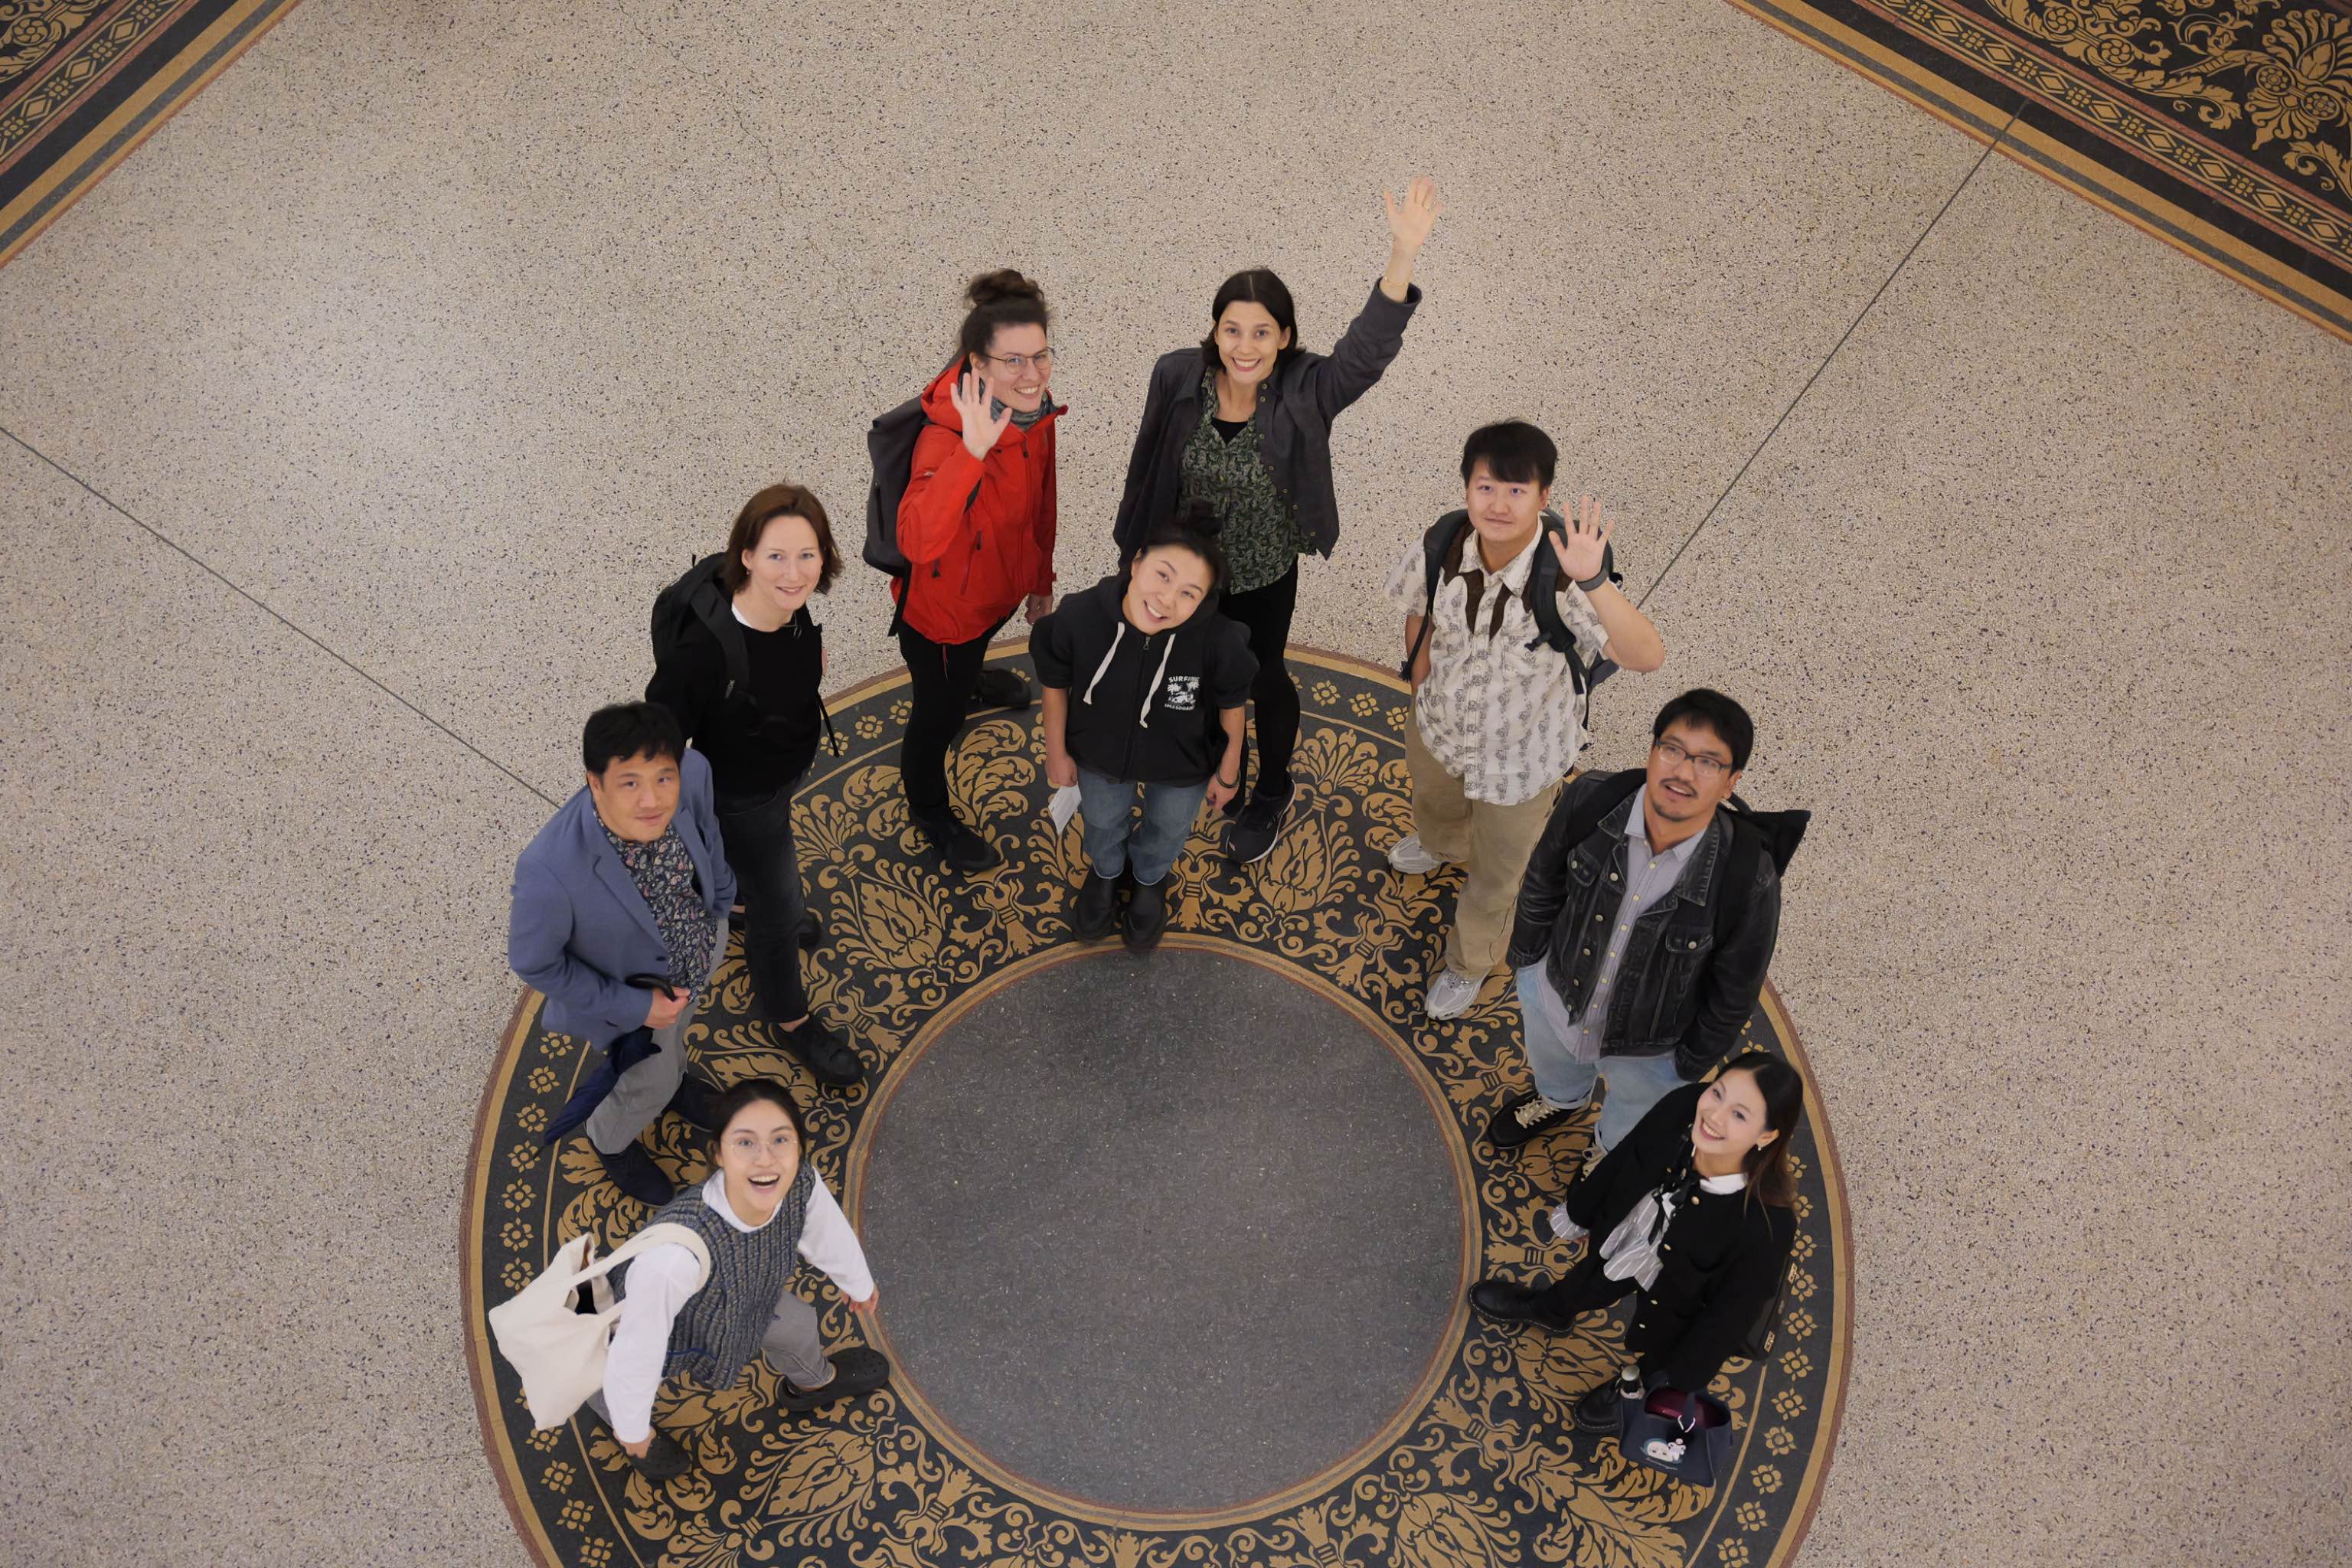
(579, 927)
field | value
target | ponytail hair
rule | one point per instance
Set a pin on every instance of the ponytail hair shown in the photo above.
(1000, 298)
(1194, 526)
(1782, 1090)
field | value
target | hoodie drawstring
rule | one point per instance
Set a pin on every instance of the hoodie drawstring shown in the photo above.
(1118, 633)
(1154, 689)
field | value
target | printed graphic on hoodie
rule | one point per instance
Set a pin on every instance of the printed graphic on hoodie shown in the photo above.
(1183, 693)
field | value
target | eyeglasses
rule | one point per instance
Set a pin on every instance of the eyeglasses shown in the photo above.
(1705, 767)
(1043, 359)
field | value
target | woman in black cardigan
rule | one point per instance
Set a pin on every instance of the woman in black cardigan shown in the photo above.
(1692, 1211)
(1242, 422)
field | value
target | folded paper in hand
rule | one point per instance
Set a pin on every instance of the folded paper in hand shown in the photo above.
(1062, 807)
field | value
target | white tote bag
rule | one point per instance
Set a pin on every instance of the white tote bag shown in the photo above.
(560, 1353)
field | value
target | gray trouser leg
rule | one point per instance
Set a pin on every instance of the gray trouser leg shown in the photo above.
(793, 1345)
(645, 1090)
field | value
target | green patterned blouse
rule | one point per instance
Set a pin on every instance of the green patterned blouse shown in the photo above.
(1262, 538)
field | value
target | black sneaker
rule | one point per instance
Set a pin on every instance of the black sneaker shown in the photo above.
(959, 845)
(1095, 908)
(822, 1050)
(666, 1458)
(856, 1372)
(697, 1102)
(1147, 916)
(1525, 1118)
(634, 1172)
(809, 935)
(1253, 834)
(1001, 689)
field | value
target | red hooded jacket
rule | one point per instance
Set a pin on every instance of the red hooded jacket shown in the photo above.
(973, 563)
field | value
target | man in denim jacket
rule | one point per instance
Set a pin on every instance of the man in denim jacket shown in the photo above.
(1615, 943)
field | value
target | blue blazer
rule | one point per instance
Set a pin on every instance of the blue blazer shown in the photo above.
(579, 926)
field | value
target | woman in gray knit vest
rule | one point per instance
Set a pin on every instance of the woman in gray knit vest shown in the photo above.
(763, 1209)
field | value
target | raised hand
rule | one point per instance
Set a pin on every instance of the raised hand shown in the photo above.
(1411, 220)
(1585, 544)
(975, 395)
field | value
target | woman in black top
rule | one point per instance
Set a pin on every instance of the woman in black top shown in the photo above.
(760, 740)
(1243, 422)
(1691, 1210)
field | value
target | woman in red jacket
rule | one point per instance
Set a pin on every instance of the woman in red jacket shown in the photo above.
(977, 527)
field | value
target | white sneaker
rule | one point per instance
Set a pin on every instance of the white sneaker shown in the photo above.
(1451, 995)
(1412, 857)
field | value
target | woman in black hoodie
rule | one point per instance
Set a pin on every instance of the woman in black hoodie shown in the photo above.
(1162, 678)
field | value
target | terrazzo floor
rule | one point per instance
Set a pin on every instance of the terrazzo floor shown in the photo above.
(352, 422)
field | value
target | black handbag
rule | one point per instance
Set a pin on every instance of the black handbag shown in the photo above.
(1686, 1435)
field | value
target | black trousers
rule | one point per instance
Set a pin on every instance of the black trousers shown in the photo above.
(1584, 1288)
(758, 837)
(1266, 612)
(940, 676)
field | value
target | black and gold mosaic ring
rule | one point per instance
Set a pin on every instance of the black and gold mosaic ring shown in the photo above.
(1467, 1459)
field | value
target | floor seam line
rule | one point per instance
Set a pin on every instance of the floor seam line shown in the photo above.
(274, 614)
(1860, 316)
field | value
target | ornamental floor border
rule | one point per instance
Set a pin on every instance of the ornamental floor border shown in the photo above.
(1480, 1466)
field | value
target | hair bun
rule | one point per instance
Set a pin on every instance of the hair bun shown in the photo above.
(990, 288)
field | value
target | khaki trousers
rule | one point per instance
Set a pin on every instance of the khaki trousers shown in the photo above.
(1492, 844)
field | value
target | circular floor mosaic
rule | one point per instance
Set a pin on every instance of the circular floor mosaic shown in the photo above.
(1480, 1467)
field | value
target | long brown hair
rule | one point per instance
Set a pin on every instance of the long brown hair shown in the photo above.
(775, 502)
(1783, 1092)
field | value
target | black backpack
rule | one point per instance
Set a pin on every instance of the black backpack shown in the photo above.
(1753, 834)
(1543, 597)
(700, 594)
(890, 448)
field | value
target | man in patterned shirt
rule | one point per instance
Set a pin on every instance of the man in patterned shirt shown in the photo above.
(620, 917)
(1497, 719)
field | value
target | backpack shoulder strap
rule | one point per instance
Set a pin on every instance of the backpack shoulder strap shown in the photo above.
(711, 607)
(1608, 794)
(1740, 861)
(1436, 543)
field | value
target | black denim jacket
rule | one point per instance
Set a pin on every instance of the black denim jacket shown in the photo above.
(1674, 991)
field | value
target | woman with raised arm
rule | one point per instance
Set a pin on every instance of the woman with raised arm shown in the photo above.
(1243, 421)
(976, 526)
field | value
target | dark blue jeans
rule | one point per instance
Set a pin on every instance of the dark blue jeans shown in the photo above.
(1116, 842)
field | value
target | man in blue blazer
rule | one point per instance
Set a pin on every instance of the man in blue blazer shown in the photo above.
(620, 917)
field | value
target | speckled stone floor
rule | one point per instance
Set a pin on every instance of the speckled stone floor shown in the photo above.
(352, 419)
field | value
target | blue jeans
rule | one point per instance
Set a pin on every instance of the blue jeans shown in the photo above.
(1636, 1083)
(1115, 842)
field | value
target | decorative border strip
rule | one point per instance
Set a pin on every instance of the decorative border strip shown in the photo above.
(2161, 178)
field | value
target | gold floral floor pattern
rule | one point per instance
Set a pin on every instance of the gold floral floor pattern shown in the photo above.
(1485, 1471)
(2224, 127)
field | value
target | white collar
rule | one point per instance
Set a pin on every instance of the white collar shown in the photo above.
(1720, 1184)
(714, 1192)
(1516, 571)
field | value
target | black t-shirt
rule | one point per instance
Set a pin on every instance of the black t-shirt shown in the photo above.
(760, 744)
(1229, 429)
